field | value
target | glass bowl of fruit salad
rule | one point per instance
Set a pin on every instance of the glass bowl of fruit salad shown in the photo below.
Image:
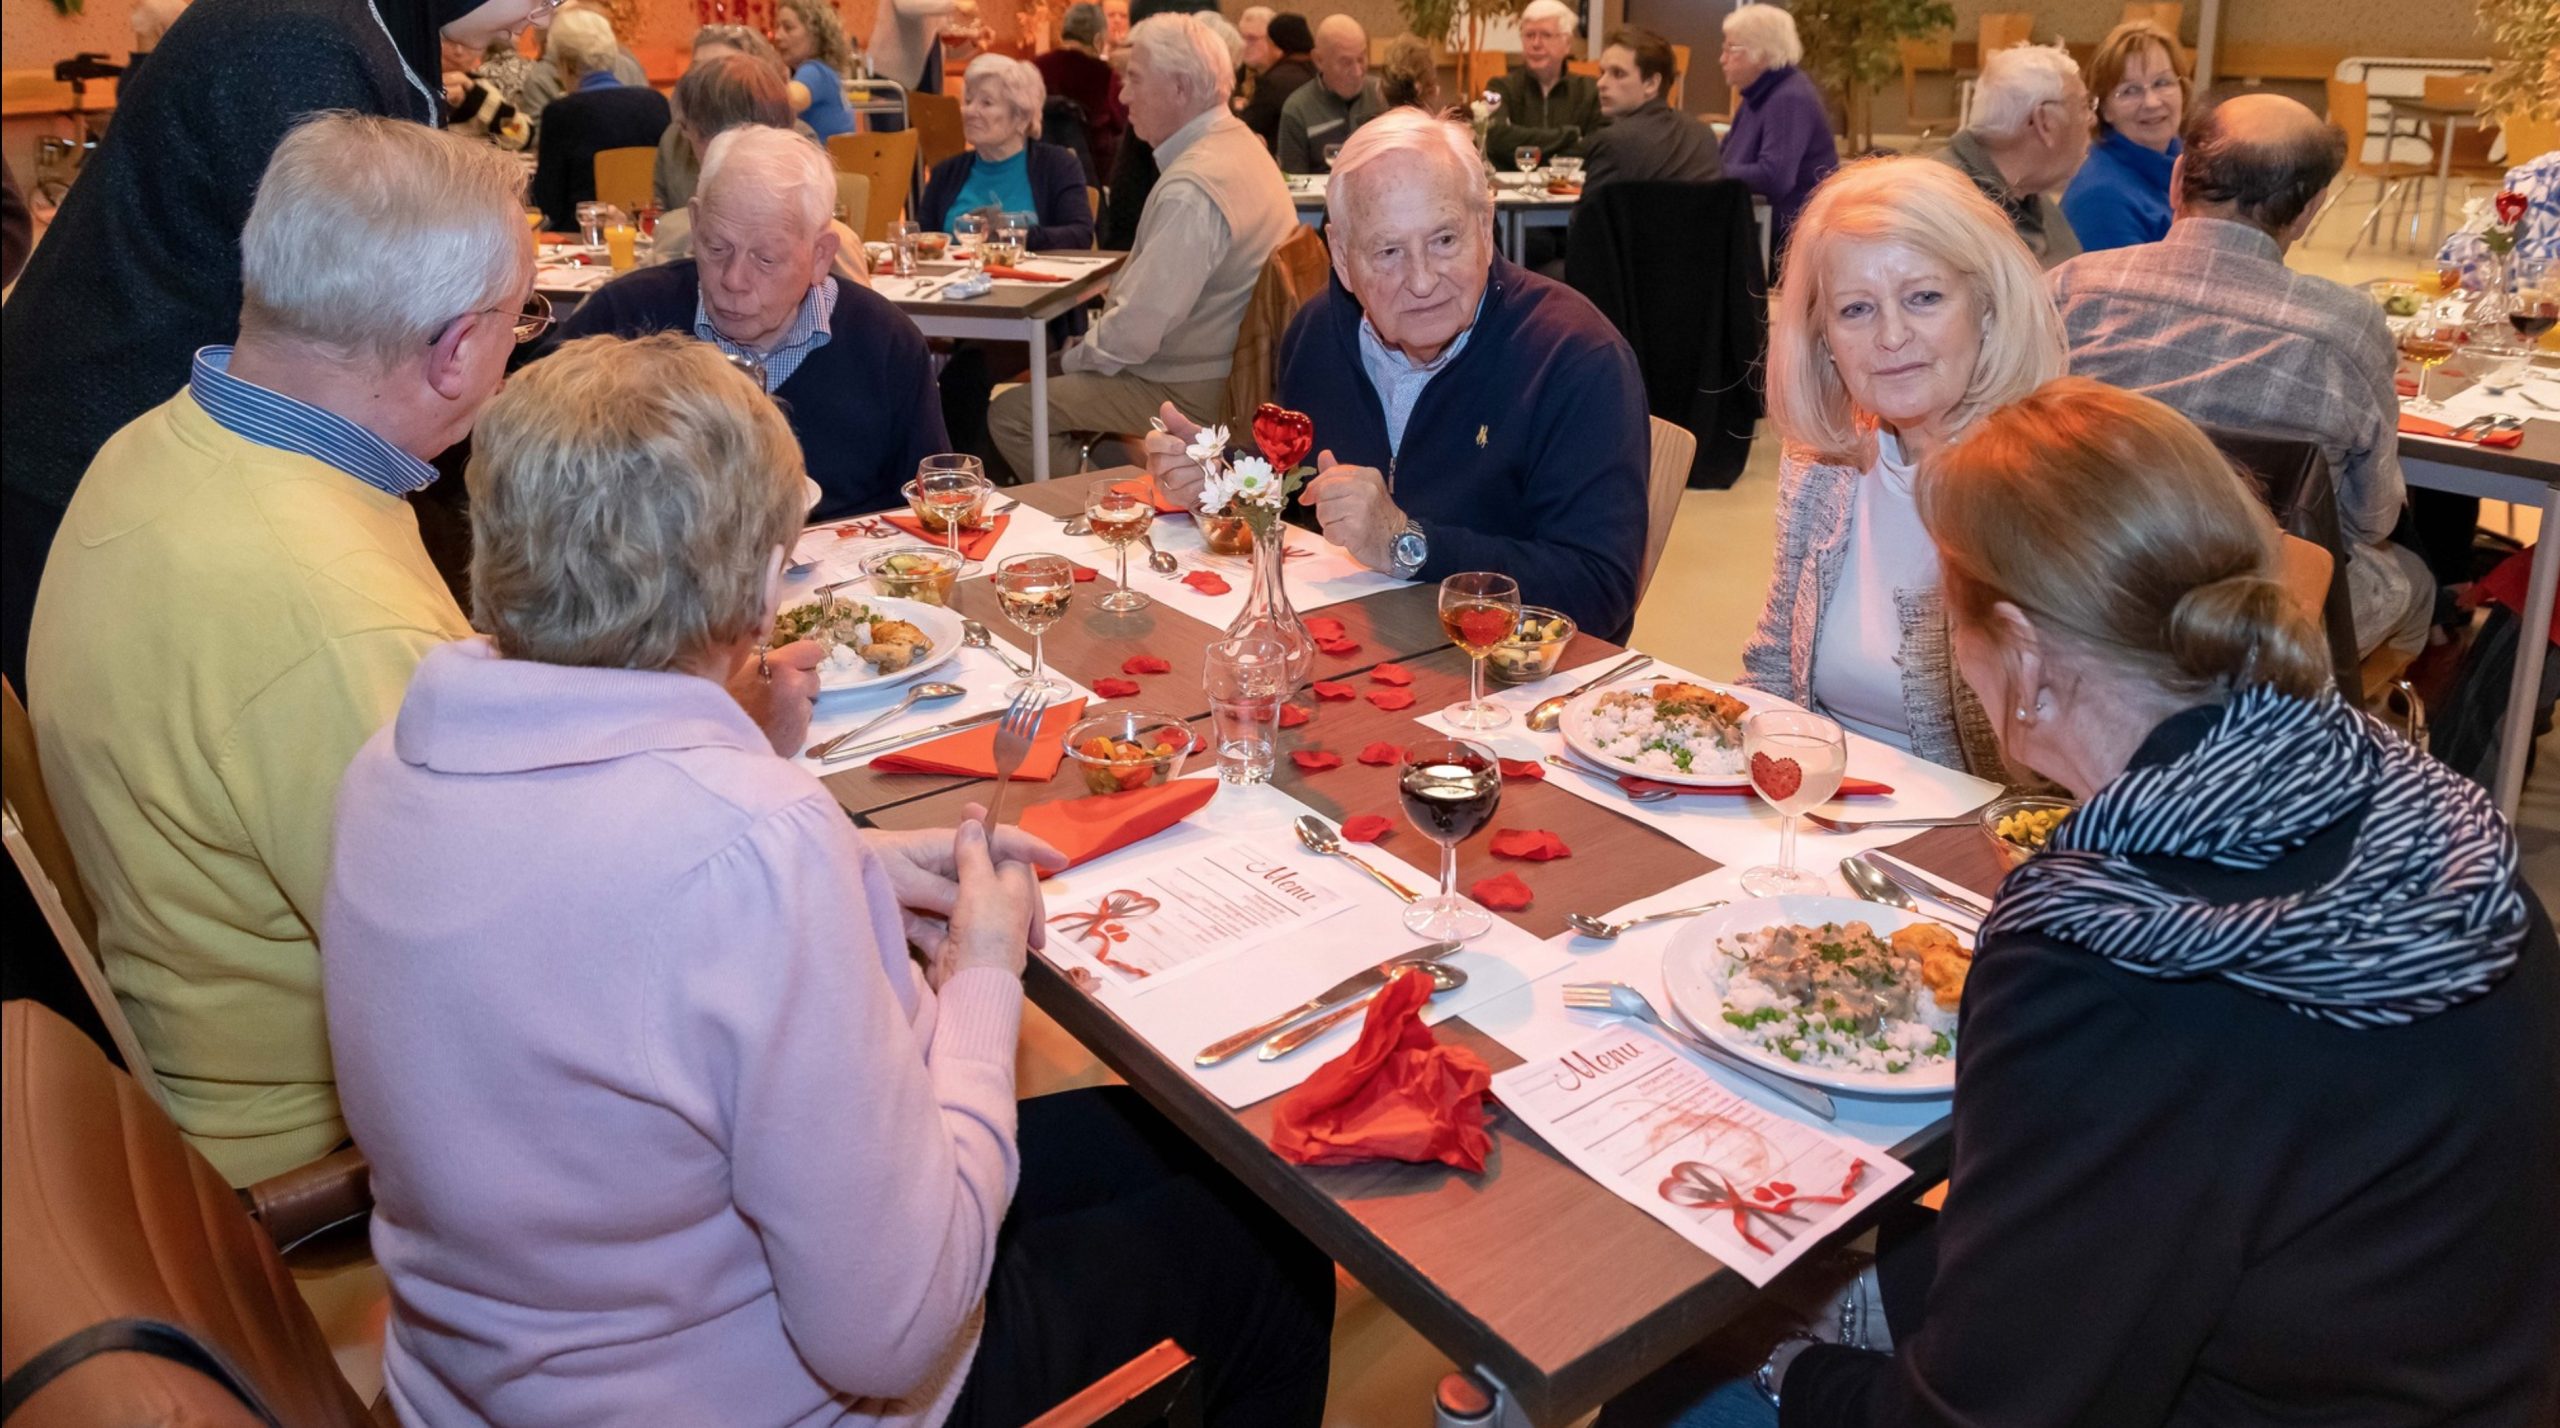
(1534, 648)
(1129, 748)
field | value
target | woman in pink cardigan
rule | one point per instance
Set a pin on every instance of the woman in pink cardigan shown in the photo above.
(667, 1124)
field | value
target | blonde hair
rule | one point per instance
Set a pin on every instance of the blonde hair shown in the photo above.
(1930, 207)
(2110, 520)
(1768, 32)
(2114, 54)
(626, 500)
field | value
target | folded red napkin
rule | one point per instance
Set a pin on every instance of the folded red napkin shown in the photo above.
(1020, 275)
(974, 543)
(1087, 828)
(2422, 426)
(1397, 1094)
(1503, 893)
(1365, 827)
(1849, 788)
(971, 753)
(1165, 506)
(1536, 845)
(1516, 769)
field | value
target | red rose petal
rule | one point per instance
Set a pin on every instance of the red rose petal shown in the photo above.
(1382, 753)
(1085, 573)
(1314, 760)
(1502, 894)
(1110, 688)
(1535, 845)
(1338, 646)
(1391, 699)
(1325, 627)
(1522, 768)
(1199, 742)
(1291, 716)
(1146, 664)
(1392, 674)
(1207, 582)
(1331, 689)
(1365, 828)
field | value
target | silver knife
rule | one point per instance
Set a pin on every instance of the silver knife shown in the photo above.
(1903, 877)
(1333, 996)
(895, 740)
(1306, 1031)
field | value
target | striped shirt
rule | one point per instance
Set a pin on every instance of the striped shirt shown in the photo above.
(807, 333)
(272, 419)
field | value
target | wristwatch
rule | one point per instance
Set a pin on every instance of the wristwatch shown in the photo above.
(1409, 551)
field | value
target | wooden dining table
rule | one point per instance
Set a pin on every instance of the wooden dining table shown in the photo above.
(1547, 1287)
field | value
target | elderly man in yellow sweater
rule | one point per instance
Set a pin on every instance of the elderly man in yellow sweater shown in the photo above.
(238, 597)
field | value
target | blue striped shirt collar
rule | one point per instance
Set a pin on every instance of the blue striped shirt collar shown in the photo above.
(253, 413)
(809, 330)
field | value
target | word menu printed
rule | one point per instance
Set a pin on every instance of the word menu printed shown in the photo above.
(1213, 899)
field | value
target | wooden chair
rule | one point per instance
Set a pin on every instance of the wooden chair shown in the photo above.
(2351, 109)
(936, 118)
(1588, 69)
(1934, 55)
(1157, 1387)
(853, 203)
(889, 161)
(1674, 450)
(624, 177)
(2164, 18)
(2473, 142)
(1291, 277)
(1479, 69)
(2003, 28)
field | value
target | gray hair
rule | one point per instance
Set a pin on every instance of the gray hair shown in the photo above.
(1227, 34)
(733, 37)
(1014, 81)
(2016, 82)
(1410, 131)
(1084, 23)
(626, 500)
(1190, 54)
(1767, 32)
(348, 198)
(581, 42)
(780, 164)
(1555, 10)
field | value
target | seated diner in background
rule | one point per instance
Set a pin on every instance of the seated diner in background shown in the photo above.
(598, 112)
(722, 91)
(2211, 321)
(1344, 96)
(1292, 65)
(2120, 197)
(679, 164)
(1167, 333)
(477, 106)
(1076, 71)
(699, 1047)
(1006, 169)
(1780, 142)
(812, 43)
(1469, 414)
(1909, 310)
(850, 369)
(542, 83)
(2024, 137)
(1646, 139)
(1409, 77)
(1542, 104)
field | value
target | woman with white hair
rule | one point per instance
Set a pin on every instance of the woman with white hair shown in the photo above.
(599, 112)
(1781, 142)
(1910, 310)
(1006, 169)
(667, 1122)
(810, 39)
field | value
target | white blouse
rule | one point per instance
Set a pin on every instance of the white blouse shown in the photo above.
(1857, 653)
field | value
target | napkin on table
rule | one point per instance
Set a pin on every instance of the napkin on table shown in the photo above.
(1397, 1094)
(971, 753)
(974, 543)
(1148, 488)
(2422, 426)
(1020, 275)
(1087, 828)
(1849, 788)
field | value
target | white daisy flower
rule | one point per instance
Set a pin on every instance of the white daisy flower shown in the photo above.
(1253, 480)
(1209, 446)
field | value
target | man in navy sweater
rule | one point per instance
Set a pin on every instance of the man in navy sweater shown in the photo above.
(1471, 415)
(849, 369)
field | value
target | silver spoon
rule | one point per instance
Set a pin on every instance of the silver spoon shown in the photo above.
(1549, 712)
(1323, 837)
(1593, 927)
(930, 692)
(1078, 525)
(977, 636)
(1873, 886)
(1650, 795)
(1159, 561)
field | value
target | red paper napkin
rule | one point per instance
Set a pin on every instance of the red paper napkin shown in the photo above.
(1146, 664)
(2421, 426)
(1291, 716)
(1365, 827)
(1535, 845)
(1383, 754)
(1391, 699)
(1314, 760)
(1505, 893)
(974, 544)
(1020, 275)
(1515, 769)
(1087, 828)
(971, 753)
(1165, 506)
(1849, 788)
(1332, 689)
(1397, 1094)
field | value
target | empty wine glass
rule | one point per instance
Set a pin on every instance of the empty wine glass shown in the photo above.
(1450, 789)
(1479, 609)
(1120, 518)
(1796, 761)
(1033, 590)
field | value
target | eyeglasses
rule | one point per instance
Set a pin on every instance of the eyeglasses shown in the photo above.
(2133, 93)
(534, 320)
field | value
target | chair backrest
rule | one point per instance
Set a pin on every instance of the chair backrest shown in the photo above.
(889, 161)
(1158, 1386)
(1667, 475)
(1291, 277)
(853, 204)
(1679, 75)
(1588, 69)
(109, 1215)
(2293, 475)
(1482, 67)
(624, 176)
(2450, 88)
(2528, 138)
(2164, 18)
(2003, 28)
(936, 118)
(34, 809)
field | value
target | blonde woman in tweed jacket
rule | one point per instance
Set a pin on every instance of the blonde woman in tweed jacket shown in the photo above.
(1909, 309)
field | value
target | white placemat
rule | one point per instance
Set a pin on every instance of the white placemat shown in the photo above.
(834, 549)
(977, 671)
(1319, 573)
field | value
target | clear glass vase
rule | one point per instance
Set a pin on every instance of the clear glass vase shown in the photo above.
(1266, 607)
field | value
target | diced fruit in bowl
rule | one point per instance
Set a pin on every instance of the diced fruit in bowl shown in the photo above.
(2021, 825)
(921, 573)
(1534, 648)
(1128, 749)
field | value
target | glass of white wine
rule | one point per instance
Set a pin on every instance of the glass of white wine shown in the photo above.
(1796, 760)
(1033, 591)
(2430, 342)
(1121, 518)
(1479, 609)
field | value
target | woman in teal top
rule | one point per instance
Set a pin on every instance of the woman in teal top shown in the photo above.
(1006, 169)
(2121, 195)
(811, 41)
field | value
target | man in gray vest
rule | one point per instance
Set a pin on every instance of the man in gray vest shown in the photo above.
(1168, 330)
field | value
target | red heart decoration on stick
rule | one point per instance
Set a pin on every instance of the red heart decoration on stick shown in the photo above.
(1778, 778)
(1284, 436)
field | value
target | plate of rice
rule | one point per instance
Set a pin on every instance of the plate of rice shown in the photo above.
(1852, 996)
(1677, 731)
(871, 642)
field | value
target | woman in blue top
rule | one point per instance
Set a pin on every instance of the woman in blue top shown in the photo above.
(1780, 143)
(2121, 194)
(1005, 169)
(812, 43)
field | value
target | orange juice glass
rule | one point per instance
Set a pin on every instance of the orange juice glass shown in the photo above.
(620, 240)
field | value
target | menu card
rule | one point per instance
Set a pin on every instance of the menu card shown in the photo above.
(1217, 899)
(1753, 1188)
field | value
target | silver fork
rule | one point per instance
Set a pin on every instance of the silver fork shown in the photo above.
(1619, 999)
(1013, 744)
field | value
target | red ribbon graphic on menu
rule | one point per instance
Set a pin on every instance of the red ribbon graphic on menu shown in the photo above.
(1696, 1185)
(1104, 925)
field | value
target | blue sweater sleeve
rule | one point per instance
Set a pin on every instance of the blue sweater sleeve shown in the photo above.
(1066, 211)
(940, 187)
(1787, 132)
(2100, 216)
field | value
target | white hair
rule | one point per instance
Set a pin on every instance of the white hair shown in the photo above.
(1555, 10)
(1409, 131)
(1181, 49)
(1767, 32)
(1263, 13)
(779, 164)
(349, 198)
(1011, 80)
(1227, 34)
(2015, 82)
(581, 41)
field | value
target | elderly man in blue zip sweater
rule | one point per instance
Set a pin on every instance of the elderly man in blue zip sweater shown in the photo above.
(1470, 414)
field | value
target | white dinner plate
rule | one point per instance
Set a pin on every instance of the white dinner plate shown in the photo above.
(1694, 969)
(1576, 728)
(940, 625)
